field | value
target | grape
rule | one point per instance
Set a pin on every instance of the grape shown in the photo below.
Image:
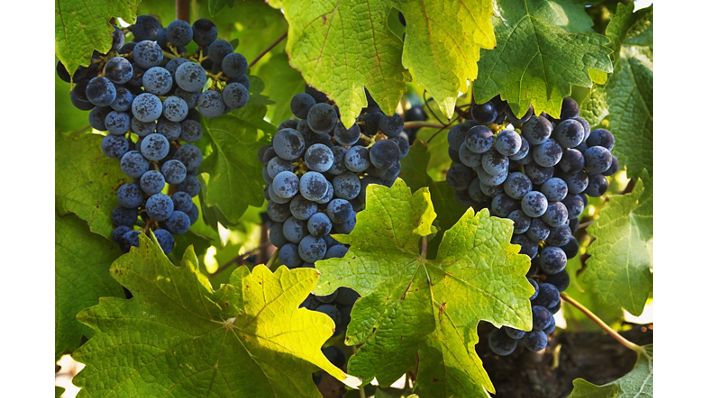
(190, 185)
(490, 190)
(535, 340)
(218, 50)
(501, 344)
(554, 189)
(322, 118)
(175, 109)
(179, 33)
(469, 158)
(597, 159)
(301, 208)
(552, 260)
(489, 179)
(152, 182)
(147, 53)
(117, 123)
(475, 192)
(178, 223)
(569, 133)
(459, 177)
(548, 153)
(171, 130)
(515, 334)
(508, 143)
(538, 174)
(538, 230)
(123, 100)
(189, 155)
(205, 32)
(234, 65)
(570, 108)
(288, 255)
(613, 168)
(119, 70)
(521, 222)
(355, 159)
(174, 63)
(147, 107)
(572, 161)
(159, 207)
(535, 287)
(129, 196)
(329, 195)
(155, 147)
(141, 128)
(313, 185)
(288, 144)
(78, 97)
(555, 215)
(346, 186)
(118, 232)
(100, 91)
(146, 27)
(275, 235)
(294, 230)
(484, 113)
(548, 295)
(522, 154)
(130, 239)
(479, 139)
(517, 185)
(336, 251)
(285, 184)
(597, 185)
(561, 280)
(342, 135)
(124, 216)
(551, 328)
(134, 164)
(340, 211)
(311, 249)
(527, 246)
(534, 204)
(191, 131)
(392, 125)
(384, 154)
(502, 205)
(235, 95)
(114, 146)
(403, 143)
(190, 77)
(577, 182)
(210, 104)
(602, 138)
(182, 201)
(165, 239)
(537, 130)
(319, 157)
(541, 317)
(97, 118)
(571, 248)
(331, 311)
(277, 165)
(319, 225)
(300, 105)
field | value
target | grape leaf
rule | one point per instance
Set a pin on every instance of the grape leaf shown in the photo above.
(619, 270)
(342, 46)
(83, 26)
(178, 337)
(86, 180)
(544, 48)
(637, 383)
(81, 275)
(443, 41)
(289, 82)
(69, 118)
(418, 309)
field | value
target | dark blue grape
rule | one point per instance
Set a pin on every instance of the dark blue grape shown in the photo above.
(522, 155)
(285, 184)
(178, 223)
(190, 155)
(319, 157)
(552, 260)
(191, 131)
(601, 137)
(147, 107)
(155, 147)
(313, 185)
(571, 248)
(235, 95)
(123, 100)
(277, 165)
(613, 168)
(538, 174)
(179, 33)
(521, 222)
(403, 143)
(392, 125)
(537, 130)
(311, 249)
(384, 154)
(597, 159)
(469, 158)
(141, 128)
(484, 113)
(501, 344)
(275, 235)
(319, 225)
(342, 135)
(118, 232)
(570, 108)
(515, 334)
(535, 340)
(340, 211)
(190, 77)
(494, 163)
(171, 130)
(538, 230)
(534, 204)
(117, 123)
(159, 207)
(130, 196)
(288, 144)
(555, 215)
(218, 50)
(597, 185)
(114, 146)
(548, 153)
(502, 205)
(508, 143)
(569, 133)
(322, 118)
(130, 239)
(147, 53)
(182, 201)
(554, 189)
(548, 295)
(294, 230)
(119, 70)
(331, 311)
(97, 118)
(205, 32)
(124, 216)
(175, 109)
(134, 164)
(561, 280)
(210, 104)
(300, 105)
(559, 236)
(479, 139)
(527, 247)
(146, 27)
(174, 63)
(164, 239)
(488, 179)
(174, 171)
(288, 255)
(517, 185)
(301, 208)
(577, 182)
(234, 65)
(100, 91)
(535, 287)
(329, 194)
(346, 186)
(336, 251)
(541, 318)
(572, 161)
(152, 182)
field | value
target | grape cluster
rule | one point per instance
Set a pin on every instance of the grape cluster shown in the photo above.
(317, 171)
(149, 96)
(536, 171)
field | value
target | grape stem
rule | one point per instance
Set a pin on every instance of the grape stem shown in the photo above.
(418, 124)
(239, 259)
(182, 9)
(268, 49)
(272, 259)
(594, 318)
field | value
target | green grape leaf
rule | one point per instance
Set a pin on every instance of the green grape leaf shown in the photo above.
(443, 41)
(289, 82)
(419, 309)
(577, 320)
(69, 118)
(83, 26)
(619, 270)
(178, 337)
(81, 277)
(86, 180)
(638, 383)
(342, 46)
(544, 49)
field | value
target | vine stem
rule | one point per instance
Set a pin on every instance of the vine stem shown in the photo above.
(418, 124)
(268, 49)
(362, 392)
(592, 316)
(182, 9)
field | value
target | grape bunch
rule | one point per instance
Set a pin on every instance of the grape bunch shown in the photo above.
(317, 172)
(536, 171)
(149, 96)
